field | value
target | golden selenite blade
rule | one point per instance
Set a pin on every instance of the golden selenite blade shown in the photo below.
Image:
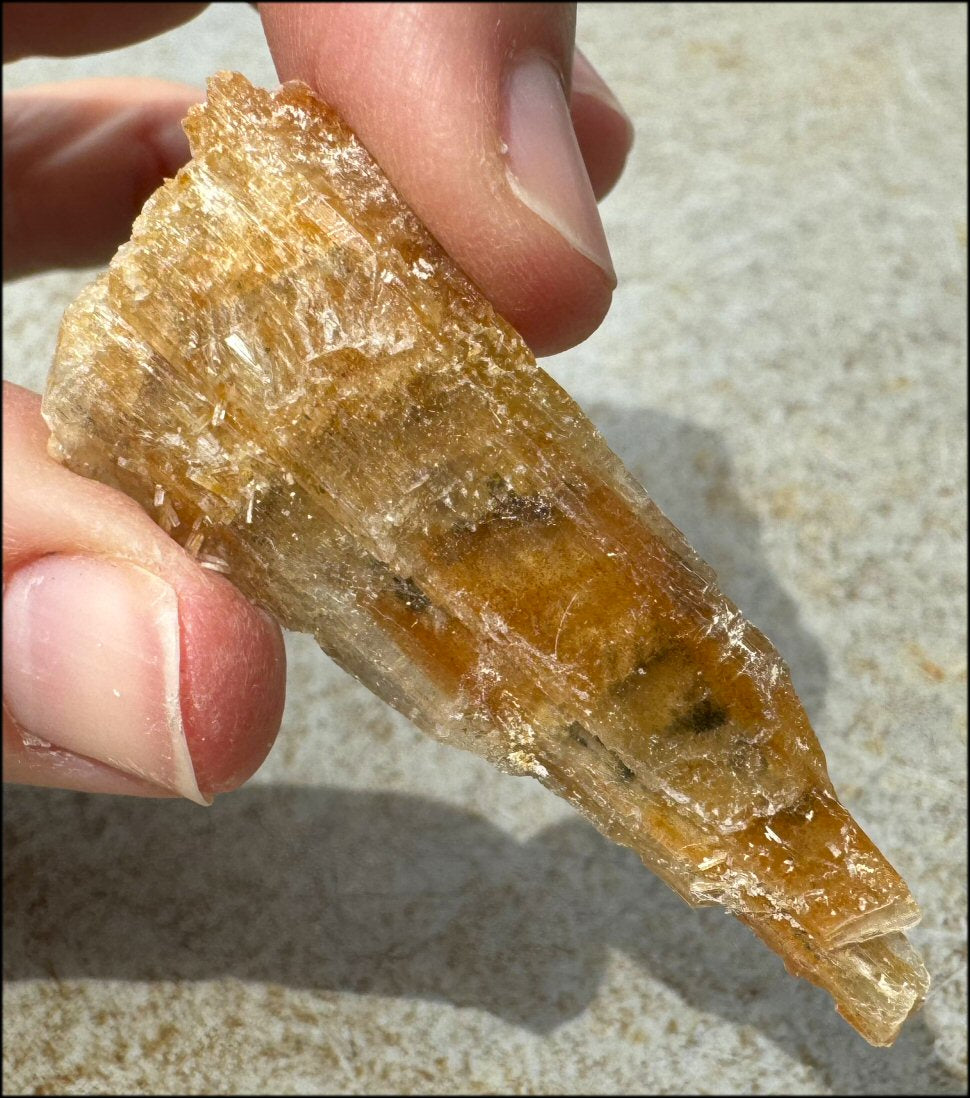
(288, 373)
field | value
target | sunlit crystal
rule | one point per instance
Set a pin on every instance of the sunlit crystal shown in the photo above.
(290, 375)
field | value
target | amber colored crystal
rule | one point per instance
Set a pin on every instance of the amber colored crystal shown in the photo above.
(290, 375)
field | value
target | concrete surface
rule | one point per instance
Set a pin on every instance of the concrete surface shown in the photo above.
(783, 367)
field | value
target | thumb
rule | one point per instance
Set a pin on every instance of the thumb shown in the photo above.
(467, 108)
(127, 668)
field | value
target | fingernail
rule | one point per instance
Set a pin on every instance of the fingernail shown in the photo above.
(28, 760)
(544, 164)
(91, 652)
(587, 81)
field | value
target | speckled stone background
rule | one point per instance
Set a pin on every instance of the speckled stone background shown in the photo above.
(783, 367)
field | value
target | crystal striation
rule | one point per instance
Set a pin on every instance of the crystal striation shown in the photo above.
(287, 372)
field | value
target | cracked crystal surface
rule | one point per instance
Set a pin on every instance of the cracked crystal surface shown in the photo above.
(294, 380)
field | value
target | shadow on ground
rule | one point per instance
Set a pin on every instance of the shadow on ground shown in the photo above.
(395, 895)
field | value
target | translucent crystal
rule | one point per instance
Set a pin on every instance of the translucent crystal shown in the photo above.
(289, 374)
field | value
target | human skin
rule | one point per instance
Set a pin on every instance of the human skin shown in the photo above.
(121, 655)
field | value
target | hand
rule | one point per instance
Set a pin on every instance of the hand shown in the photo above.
(127, 667)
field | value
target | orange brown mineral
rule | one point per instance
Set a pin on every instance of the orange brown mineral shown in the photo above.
(290, 375)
